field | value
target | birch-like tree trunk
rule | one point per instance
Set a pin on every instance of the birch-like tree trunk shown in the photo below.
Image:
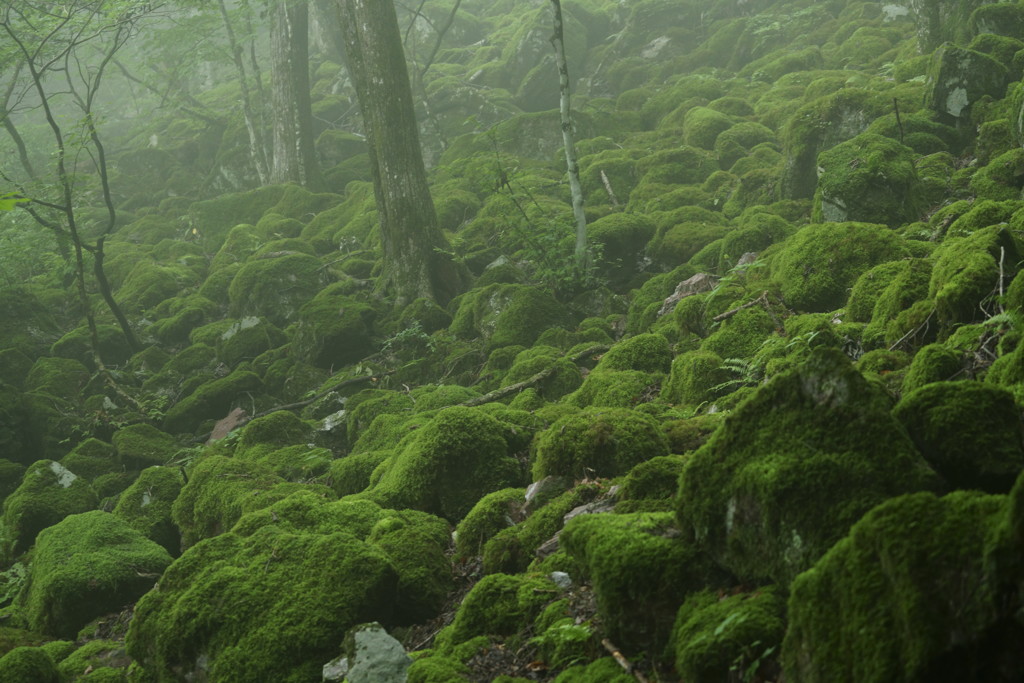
(581, 252)
(294, 158)
(416, 262)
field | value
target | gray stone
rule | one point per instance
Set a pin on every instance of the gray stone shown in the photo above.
(374, 656)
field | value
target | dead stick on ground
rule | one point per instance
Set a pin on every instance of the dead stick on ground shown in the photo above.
(621, 659)
(763, 300)
(501, 393)
(913, 331)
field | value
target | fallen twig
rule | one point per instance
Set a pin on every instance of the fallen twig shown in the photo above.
(621, 659)
(501, 393)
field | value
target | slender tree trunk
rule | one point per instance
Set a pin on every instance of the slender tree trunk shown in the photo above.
(581, 252)
(416, 263)
(294, 158)
(257, 146)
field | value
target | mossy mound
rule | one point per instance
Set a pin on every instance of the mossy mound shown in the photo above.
(142, 445)
(76, 344)
(246, 339)
(815, 267)
(883, 577)
(48, 493)
(932, 363)
(640, 570)
(85, 566)
(267, 604)
(91, 458)
(869, 178)
(968, 431)
(715, 637)
(275, 287)
(597, 442)
(774, 488)
(211, 401)
(448, 465)
(507, 314)
(61, 377)
(28, 665)
(334, 330)
(146, 505)
(491, 514)
(697, 377)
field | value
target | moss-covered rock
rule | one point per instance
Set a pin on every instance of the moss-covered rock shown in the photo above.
(270, 602)
(774, 488)
(275, 287)
(48, 493)
(715, 637)
(91, 458)
(696, 378)
(448, 465)
(958, 78)
(621, 238)
(643, 352)
(597, 442)
(211, 401)
(62, 377)
(85, 566)
(28, 665)
(868, 178)
(246, 339)
(969, 432)
(815, 267)
(491, 514)
(146, 505)
(142, 445)
(334, 330)
(883, 577)
(640, 570)
(507, 314)
(76, 344)
(967, 271)
(932, 363)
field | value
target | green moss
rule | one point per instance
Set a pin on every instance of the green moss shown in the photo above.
(246, 339)
(364, 407)
(507, 314)
(602, 442)
(268, 605)
(967, 271)
(142, 445)
(815, 267)
(773, 488)
(932, 363)
(148, 284)
(498, 605)
(218, 492)
(95, 662)
(438, 669)
(643, 352)
(334, 330)
(716, 637)
(146, 505)
(869, 178)
(91, 458)
(614, 389)
(606, 670)
(650, 486)
(48, 493)
(741, 335)
(695, 378)
(275, 287)
(448, 465)
(28, 665)
(968, 431)
(958, 78)
(61, 377)
(492, 513)
(416, 543)
(885, 575)
(640, 573)
(77, 344)
(702, 126)
(565, 378)
(85, 566)
(211, 400)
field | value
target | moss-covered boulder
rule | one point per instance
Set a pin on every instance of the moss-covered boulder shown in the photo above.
(697, 377)
(507, 314)
(597, 442)
(28, 665)
(77, 344)
(932, 363)
(793, 467)
(882, 579)
(958, 78)
(869, 178)
(967, 271)
(85, 566)
(92, 458)
(211, 401)
(714, 637)
(275, 286)
(246, 339)
(334, 330)
(448, 465)
(491, 514)
(48, 493)
(969, 432)
(142, 445)
(815, 267)
(269, 601)
(641, 572)
(146, 505)
(61, 377)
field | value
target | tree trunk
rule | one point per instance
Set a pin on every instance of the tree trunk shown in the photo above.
(294, 157)
(416, 263)
(581, 252)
